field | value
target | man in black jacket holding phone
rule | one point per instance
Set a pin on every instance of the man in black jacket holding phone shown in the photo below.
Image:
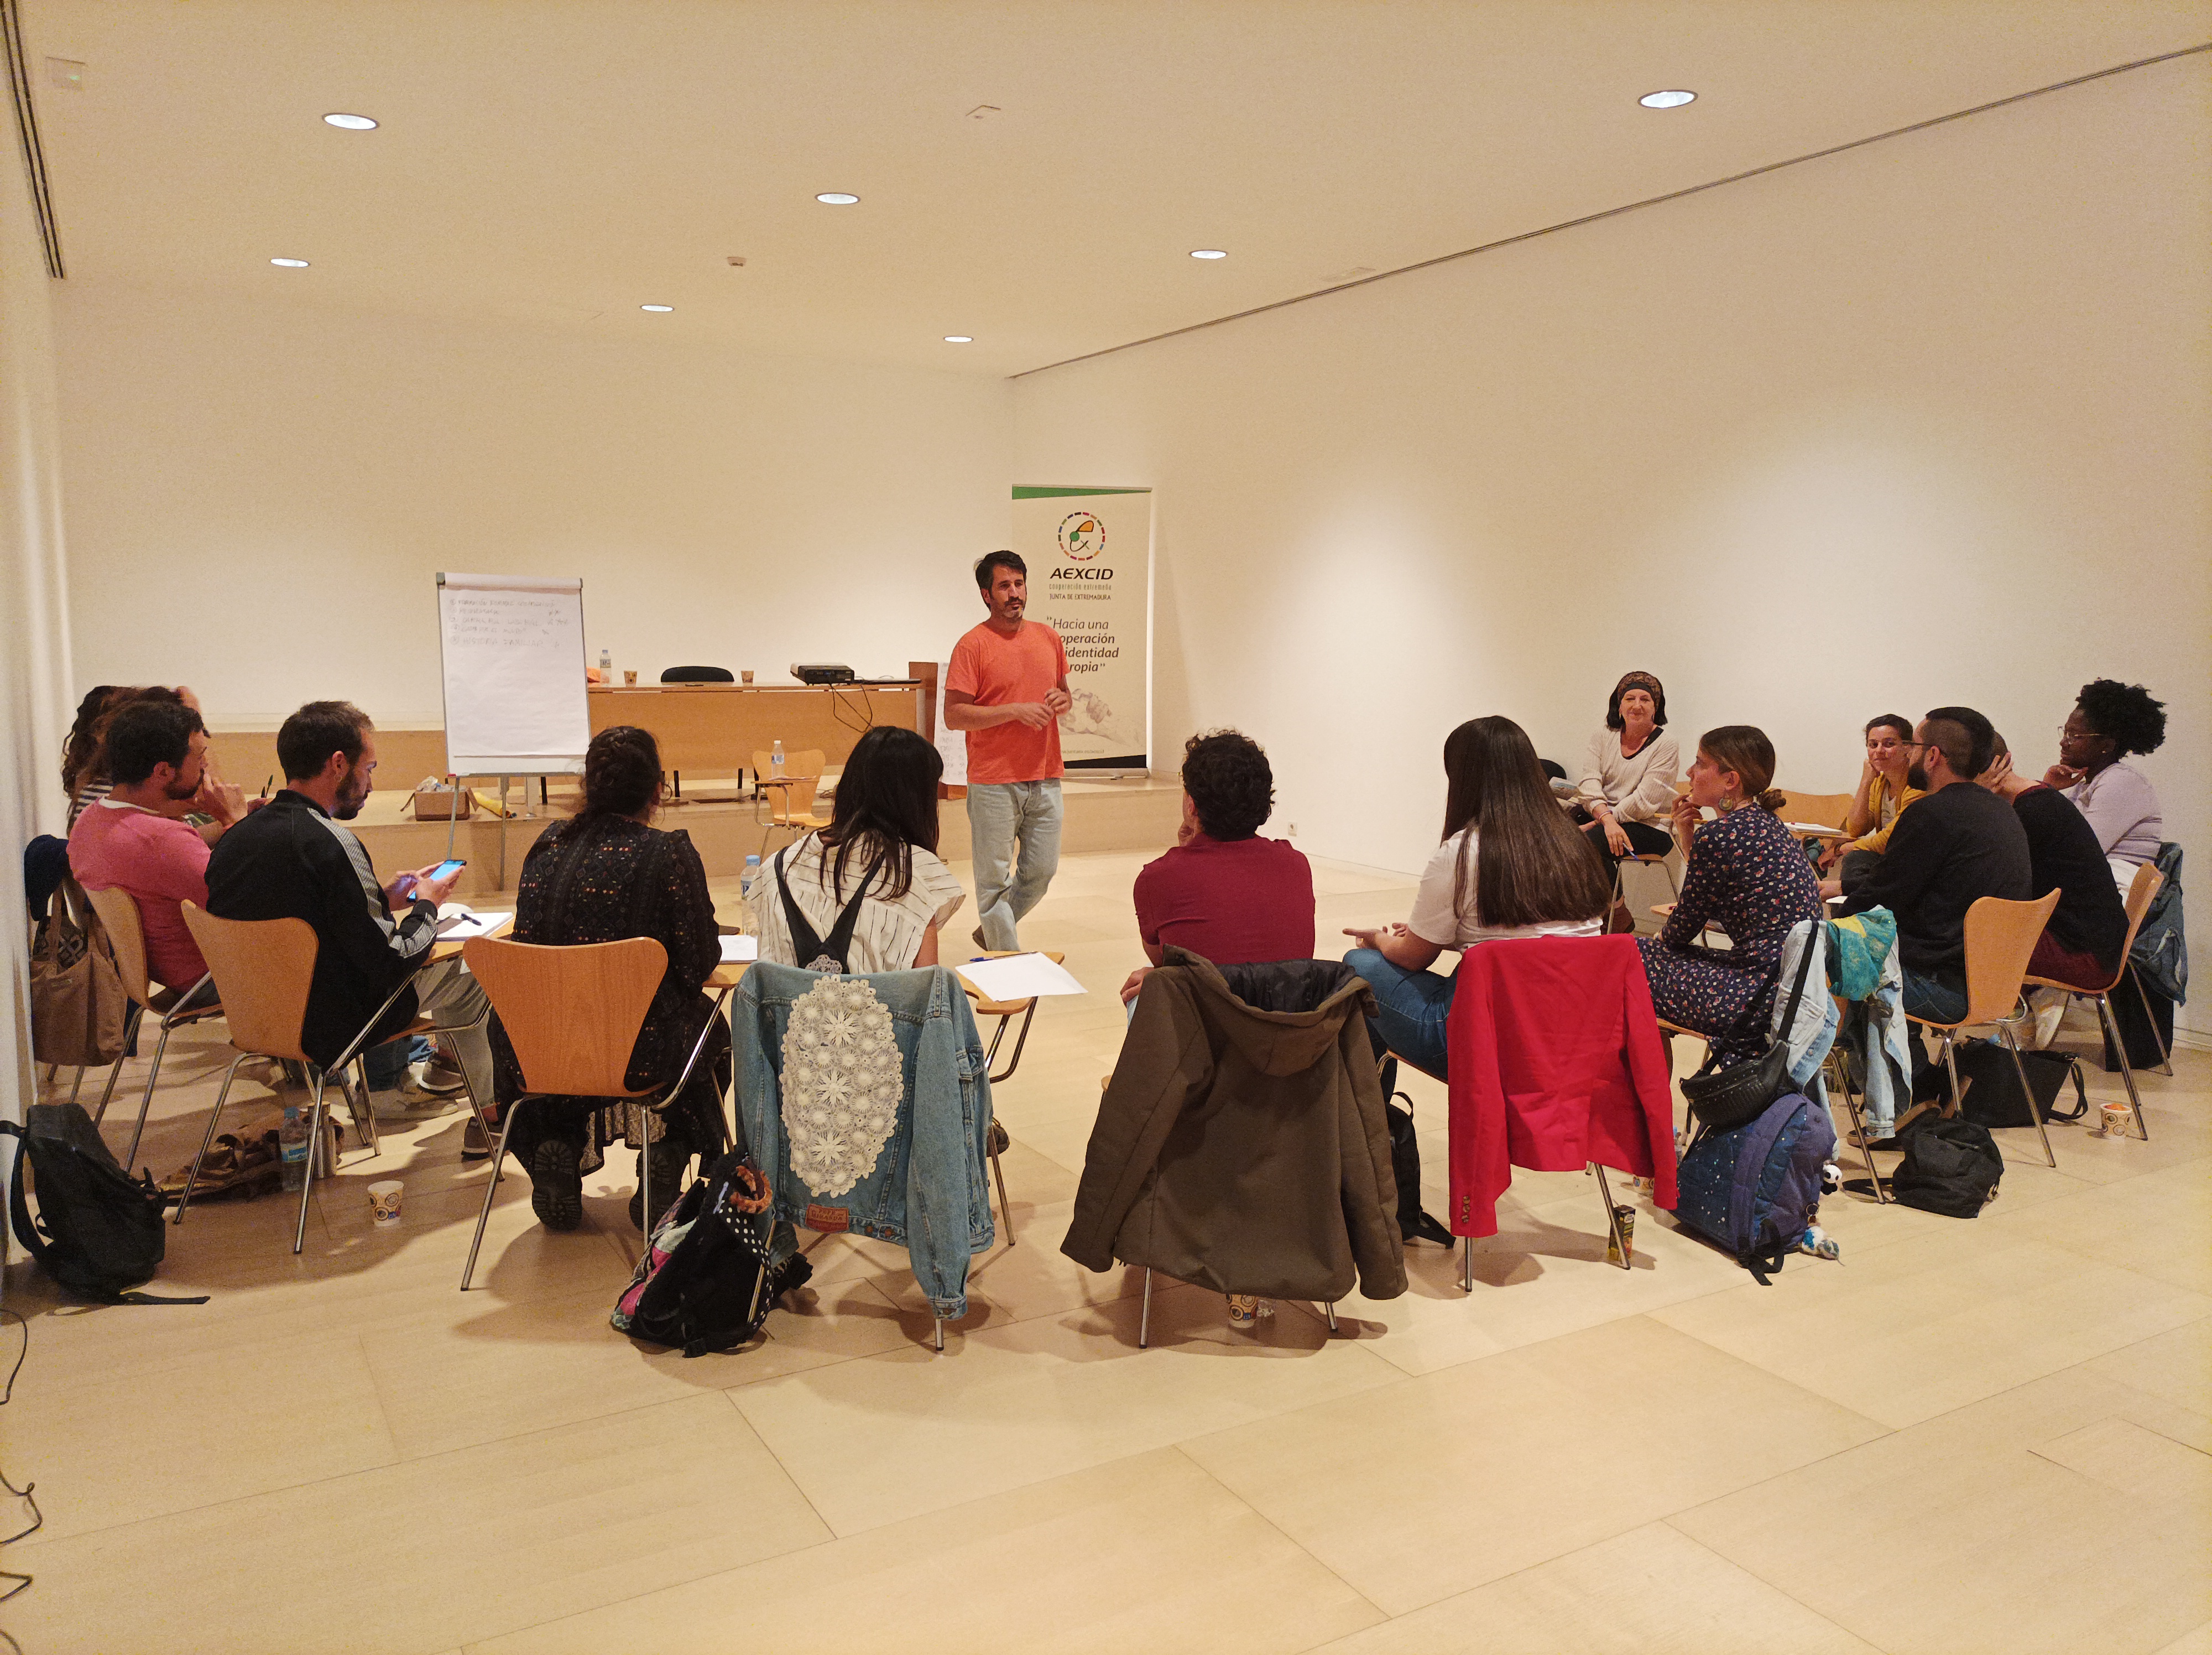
(292, 859)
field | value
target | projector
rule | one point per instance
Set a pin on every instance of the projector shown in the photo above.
(822, 674)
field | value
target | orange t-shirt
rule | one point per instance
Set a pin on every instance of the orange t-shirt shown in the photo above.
(997, 670)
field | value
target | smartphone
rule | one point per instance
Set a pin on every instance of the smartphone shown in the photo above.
(453, 865)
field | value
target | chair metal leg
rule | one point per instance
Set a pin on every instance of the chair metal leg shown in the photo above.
(1329, 1310)
(1852, 1104)
(940, 1334)
(491, 1187)
(367, 1123)
(192, 1177)
(130, 1039)
(1612, 1217)
(1145, 1316)
(1005, 1207)
(1951, 1068)
(477, 1109)
(1466, 1264)
(76, 1084)
(2165, 1057)
(2110, 1025)
(146, 1103)
(2034, 1110)
(314, 1149)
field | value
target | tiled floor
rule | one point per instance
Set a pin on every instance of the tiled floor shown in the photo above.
(1968, 1436)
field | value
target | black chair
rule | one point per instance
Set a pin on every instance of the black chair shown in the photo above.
(697, 675)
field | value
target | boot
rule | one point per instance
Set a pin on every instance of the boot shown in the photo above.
(668, 1157)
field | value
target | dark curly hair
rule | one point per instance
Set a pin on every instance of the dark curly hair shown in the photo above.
(2126, 714)
(1229, 783)
(621, 771)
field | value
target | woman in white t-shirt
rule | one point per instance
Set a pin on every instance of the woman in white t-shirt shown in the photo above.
(1512, 865)
(881, 841)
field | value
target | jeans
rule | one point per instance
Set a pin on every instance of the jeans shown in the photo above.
(999, 813)
(1942, 998)
(455, 1001)
(1411, 1010)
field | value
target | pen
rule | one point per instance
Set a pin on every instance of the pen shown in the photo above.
(271, 782)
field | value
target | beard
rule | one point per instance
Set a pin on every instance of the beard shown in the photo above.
(353, 794)
(178, 791)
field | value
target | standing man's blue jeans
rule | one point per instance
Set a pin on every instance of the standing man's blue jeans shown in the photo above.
(1411, 1009)
(999, 814)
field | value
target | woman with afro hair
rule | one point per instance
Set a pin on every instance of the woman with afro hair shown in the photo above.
(2111, 721)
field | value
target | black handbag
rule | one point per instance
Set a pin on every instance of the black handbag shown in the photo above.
(1722, 1099)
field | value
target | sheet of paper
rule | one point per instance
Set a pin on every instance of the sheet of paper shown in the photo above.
(737, 950)
(471, 923)
(1019, 976)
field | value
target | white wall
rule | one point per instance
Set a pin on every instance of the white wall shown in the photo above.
(1929, 422)
(261, 495)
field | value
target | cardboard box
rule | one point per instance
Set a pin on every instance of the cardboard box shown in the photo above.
(437, 806)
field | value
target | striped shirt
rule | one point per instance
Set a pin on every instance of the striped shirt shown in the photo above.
(886, 934)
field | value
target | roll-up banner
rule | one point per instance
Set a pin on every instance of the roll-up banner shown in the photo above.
(1089, 557)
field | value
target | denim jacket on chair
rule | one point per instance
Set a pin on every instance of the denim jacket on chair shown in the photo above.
(865, 1100)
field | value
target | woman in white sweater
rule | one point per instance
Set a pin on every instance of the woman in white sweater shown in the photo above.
(1628, 775)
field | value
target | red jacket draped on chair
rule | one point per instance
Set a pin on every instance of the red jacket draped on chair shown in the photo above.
(1555, 1060)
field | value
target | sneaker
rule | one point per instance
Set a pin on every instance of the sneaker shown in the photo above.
(475, 1142)
(2049, 1012)
(439, 1076)
(556, 1184)
(408, 1101)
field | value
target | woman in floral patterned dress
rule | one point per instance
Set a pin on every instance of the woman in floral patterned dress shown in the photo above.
(606, 875)
(1749, 876)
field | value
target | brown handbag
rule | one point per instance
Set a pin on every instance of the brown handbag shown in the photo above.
(77, 1001)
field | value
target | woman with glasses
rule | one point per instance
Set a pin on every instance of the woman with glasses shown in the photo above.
(1889, 780)
(2111, 721)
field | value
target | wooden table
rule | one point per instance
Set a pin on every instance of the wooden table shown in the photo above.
(714, 729)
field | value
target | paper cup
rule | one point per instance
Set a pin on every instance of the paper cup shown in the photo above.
(748, 676)
(383, 1203)
(629, 676)
(2118, 1120)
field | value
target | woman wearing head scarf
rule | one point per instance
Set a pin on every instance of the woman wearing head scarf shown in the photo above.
(1628, 775)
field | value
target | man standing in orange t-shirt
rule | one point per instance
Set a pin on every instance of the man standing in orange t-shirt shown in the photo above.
(1007, 687)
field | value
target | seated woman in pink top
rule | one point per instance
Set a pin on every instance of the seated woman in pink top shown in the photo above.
(1223, 893)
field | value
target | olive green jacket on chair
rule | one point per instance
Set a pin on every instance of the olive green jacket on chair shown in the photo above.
(1241, 1144)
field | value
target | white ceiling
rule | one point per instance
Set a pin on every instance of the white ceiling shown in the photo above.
(565, 160)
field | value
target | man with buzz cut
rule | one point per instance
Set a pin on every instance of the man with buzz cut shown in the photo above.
(1007, 687)
(295, 859)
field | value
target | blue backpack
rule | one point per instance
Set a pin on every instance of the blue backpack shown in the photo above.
(1754, 1189)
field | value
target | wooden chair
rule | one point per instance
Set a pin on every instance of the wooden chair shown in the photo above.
(1006, 1011)
(790, 795)
(2000, 937)
(263, 969)
(2140, 894)
(573, 1015)
(126, 934)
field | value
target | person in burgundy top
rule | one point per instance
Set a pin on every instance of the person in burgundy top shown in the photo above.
(1007, 686)
(1223, 893)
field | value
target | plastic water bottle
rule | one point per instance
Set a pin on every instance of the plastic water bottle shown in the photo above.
(292, 1149)
(746, 879)
(775, 761)
(606, 662)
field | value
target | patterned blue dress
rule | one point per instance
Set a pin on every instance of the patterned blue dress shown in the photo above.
(1751, 879)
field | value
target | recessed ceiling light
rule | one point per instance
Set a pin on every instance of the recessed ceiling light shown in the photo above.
(290, 264)
(837, 199)
(959, 338)
(1674, 100)
(1208, 253)
(661, 309)
(351, 123)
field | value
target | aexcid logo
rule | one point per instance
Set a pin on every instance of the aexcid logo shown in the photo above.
(1082, 537)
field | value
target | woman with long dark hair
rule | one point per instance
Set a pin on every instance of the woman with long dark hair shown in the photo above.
(1510, 865)
(605, 875)
(878, 852)
(1748, 876)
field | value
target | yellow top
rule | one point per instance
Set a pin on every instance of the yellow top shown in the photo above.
(1885, 816)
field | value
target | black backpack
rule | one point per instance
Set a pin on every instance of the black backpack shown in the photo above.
(98, 1233)
(1413, 1221)
(704, 1281)
(1950, 1167)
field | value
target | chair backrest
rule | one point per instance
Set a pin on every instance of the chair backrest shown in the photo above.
(571, 1014)
(118, 916)
(2000, 937)
(697, 675)
(811, 761)
(263, 969)
(1828, 809)
(2142, 891)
